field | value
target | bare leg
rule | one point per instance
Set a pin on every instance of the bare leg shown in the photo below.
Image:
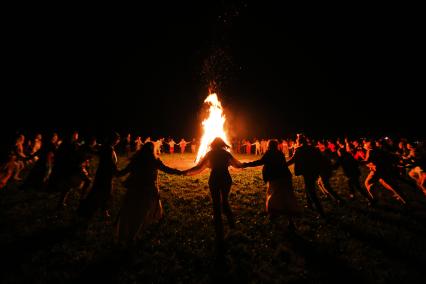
(321, 186)
(311, 194)
(355, 185)
(391, 189)
(227, 209)
(217, 216)
(369, 183)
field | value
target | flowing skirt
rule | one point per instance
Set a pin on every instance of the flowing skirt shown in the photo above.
(141, 207)
(280, 198)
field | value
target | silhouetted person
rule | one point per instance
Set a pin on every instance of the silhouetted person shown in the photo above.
(65, 159)
(382, 170)
(280, 198)
(21, 157)
(100, 193)
(351, 170)
(37, 144)
(138, 143)
(8, 169)
(306, 163)
(40, 173)
(325, 167)
(128, 145)
(220, 181)
(67, 165)
(415, 163)
(141, 206)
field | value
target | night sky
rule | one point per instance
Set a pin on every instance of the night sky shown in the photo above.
(324, 70)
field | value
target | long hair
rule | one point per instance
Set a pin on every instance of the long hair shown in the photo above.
(145, 154)
(218, 143)
(273, 145)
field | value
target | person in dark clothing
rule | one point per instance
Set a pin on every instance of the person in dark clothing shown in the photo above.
(40, 173)
(100, 193)
(306, 161)
(280, 198)
(66, 169)
(325, 164)
(382, 170)
(220, 181)
(65, 162)
(351, 170)
(141, 206)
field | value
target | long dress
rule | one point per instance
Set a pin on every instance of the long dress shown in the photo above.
(141, 206)
(101, 191)
(280, 196)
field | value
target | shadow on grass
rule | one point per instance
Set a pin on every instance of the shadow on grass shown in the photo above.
(402, 218)
(322, 264)
(411, 258)
(21, 249)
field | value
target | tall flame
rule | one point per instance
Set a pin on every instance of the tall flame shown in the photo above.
(212, 126)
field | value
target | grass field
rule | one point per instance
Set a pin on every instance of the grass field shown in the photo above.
(355, 244)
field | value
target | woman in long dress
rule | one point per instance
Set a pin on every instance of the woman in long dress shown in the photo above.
(280, 198)
(220, 181)
(142, 205)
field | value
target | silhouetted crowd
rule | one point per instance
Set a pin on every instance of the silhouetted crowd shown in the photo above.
(61, 165)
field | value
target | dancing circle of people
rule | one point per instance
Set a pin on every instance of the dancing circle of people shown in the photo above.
(61, 166)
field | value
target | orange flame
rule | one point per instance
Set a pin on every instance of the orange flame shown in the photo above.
(212, 126)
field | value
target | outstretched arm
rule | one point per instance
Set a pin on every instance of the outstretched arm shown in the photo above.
(254, 163)
(198, 168)
(291, 161)
(124, 171)
(235, 163)
(167, 169)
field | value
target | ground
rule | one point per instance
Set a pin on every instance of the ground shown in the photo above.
(355, 244)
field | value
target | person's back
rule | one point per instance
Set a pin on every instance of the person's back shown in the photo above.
(107, 161)
(349, 163)
(306, 161)
(142, 171)
(275, 166)
(218, 162)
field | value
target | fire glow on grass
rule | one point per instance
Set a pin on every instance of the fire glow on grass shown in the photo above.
(213, 126)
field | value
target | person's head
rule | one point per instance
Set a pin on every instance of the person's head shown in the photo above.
(74, 136)
(148, 147)
(411, 145)
(218, 143)
(146, 153)
(92, 141)
(113, 138)
(272, 145)
(20, 139)
(301, 139)
(369, 144)
(54, 138)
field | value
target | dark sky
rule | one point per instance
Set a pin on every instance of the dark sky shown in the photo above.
(325, 70)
